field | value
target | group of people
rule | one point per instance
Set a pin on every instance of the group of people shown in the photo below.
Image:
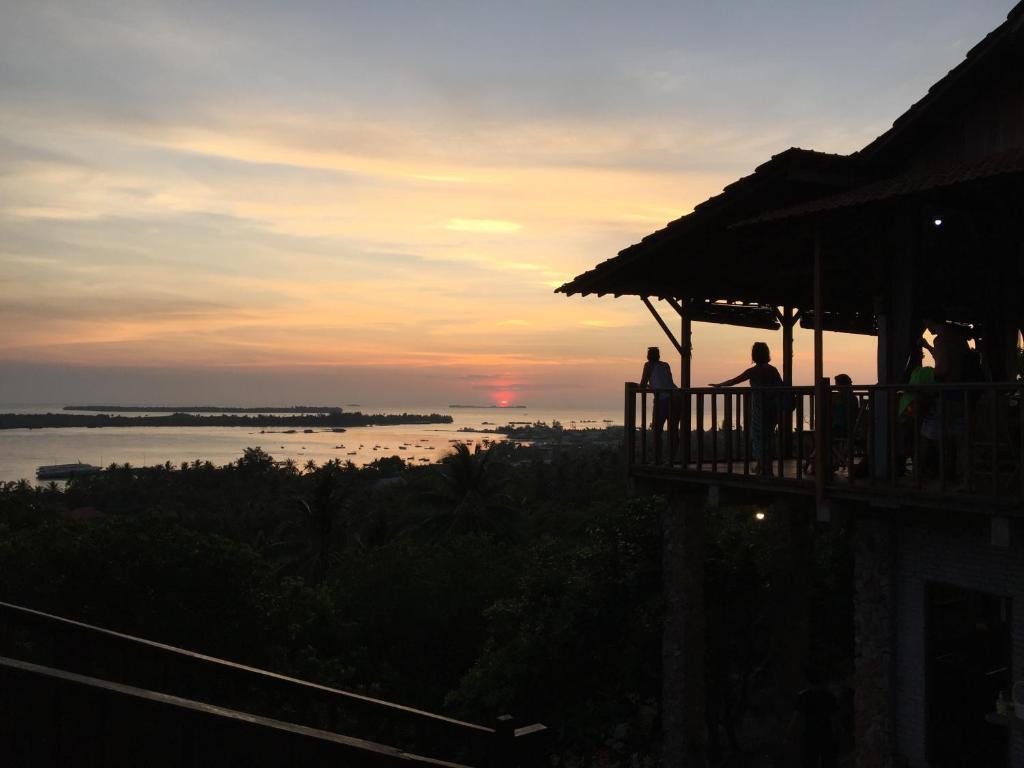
(764, 410)
(954, 361)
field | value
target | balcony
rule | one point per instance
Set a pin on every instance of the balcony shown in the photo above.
(956, 446)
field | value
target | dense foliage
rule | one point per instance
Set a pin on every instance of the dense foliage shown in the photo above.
(514, 579)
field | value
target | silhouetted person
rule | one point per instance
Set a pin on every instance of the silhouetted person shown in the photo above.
(816, 709)
(955, 361)
(764, 407)
(658, 375)
(845, 407)
(949, 350)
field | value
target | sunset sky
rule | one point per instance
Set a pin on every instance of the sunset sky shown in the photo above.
(278, 202)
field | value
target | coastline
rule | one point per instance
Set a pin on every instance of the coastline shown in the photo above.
(328, 421)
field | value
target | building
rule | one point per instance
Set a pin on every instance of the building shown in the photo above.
(924, 224)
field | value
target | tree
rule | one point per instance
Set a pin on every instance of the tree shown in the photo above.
(304, 544)
(469, 498)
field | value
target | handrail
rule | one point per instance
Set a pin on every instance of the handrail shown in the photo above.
(938, 386)
(235, 666)
(484, 737)
(713, 390)
(887, 439)
(346, 745)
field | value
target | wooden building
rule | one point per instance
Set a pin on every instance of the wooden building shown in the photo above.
(926, 221)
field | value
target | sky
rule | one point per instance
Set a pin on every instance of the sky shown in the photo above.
(312, 201)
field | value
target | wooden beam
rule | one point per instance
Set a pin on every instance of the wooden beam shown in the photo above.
(686, 370)
(742, 315)
(822, 440)
(664, 327)
(685, 340)
(843, 322)
(788, 321)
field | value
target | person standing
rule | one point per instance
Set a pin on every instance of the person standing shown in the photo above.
(657, 375)
(764, 407)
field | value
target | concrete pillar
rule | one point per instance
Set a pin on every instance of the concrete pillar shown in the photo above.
(684, 728)
(874, 641)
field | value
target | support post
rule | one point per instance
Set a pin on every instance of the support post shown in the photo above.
(819, 308)
(686, 354)
(683, 724)
(822, 441)
(788, 320)
(685, 381)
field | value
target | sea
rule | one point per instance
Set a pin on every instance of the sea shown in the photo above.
(23, 450)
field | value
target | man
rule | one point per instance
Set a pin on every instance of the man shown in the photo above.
(658, 376)
(949, 350)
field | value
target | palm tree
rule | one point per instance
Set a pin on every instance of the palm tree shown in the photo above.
(304, 544)
(469, 499)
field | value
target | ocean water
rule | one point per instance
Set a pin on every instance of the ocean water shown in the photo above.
(23, 450)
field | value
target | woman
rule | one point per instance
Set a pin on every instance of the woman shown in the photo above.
(763, 410)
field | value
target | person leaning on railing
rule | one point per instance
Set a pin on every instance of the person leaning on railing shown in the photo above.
(764, 409)
(657, 375)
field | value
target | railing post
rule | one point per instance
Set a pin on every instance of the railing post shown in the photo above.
(684, 429)
(504, 746)
(1020, 437)
(630, 426)
(700, 431)
(531, 745)
(995, 442)
(881, 417)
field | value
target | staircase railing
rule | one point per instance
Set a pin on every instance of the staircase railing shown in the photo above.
(56, 718)
(77, 648)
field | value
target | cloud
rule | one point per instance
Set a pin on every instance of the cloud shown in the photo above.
(494, 226)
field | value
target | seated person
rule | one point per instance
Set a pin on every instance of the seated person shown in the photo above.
(845, 407)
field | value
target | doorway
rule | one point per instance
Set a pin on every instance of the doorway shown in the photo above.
(969, 648)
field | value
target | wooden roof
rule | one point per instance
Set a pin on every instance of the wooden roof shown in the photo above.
(718, 254)
(915, 182)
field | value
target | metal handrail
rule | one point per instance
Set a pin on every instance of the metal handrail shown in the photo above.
(172, 719)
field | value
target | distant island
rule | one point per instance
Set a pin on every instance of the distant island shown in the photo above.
(326, 420)
(502, 407)
(204, 409)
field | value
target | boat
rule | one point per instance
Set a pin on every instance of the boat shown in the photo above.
(65, 471)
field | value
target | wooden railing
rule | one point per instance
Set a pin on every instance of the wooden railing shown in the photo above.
(66, 646)
(955, 441)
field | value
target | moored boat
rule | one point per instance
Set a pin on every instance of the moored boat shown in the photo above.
(65, 471)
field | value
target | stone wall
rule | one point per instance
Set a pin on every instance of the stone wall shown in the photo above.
(951, 550)
(874, 569)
